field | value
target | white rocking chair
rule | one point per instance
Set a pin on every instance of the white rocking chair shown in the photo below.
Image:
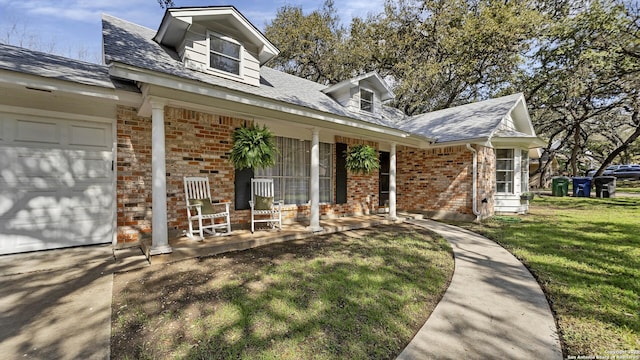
(201, 208)
(262, 204)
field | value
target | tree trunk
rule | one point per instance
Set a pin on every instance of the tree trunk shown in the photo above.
(574, 151)
(625, 144)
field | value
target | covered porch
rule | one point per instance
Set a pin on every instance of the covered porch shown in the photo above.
(242, 239)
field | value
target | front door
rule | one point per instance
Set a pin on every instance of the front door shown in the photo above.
(383, 192)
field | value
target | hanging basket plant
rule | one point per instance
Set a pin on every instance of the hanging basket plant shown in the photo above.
(362, 159)
(253, 148)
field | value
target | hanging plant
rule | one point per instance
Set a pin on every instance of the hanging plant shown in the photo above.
(253, 148)
(362, 159)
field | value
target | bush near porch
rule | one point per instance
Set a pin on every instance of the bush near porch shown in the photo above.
(585, 253)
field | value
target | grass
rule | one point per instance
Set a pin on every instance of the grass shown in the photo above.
(628, 186)
(354, 295)
(585, 253)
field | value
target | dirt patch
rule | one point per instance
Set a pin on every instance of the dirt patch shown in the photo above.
(359, 294)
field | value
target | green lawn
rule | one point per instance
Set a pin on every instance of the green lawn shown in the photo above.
(585, 253)
(353, 295)
(628, 186)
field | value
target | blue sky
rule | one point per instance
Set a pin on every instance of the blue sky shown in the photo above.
(73, 27)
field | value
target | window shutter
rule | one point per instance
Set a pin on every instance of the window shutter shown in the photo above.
(341, 173)
(243, 188)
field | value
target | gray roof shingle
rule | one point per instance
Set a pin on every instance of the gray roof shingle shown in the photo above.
(133, 45)
(45, 65)
(470, 121)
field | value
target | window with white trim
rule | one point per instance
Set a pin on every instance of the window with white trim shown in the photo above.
(292, 172)
(504, 171)
(524, 170)
(366, 100)
(224, 54)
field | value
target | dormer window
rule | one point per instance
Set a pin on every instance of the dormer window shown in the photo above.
(366, 100)
(224, 54)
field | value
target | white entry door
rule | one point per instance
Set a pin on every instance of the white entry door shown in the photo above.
(56, 183)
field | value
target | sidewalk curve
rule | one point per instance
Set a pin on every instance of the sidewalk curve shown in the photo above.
(493, 308)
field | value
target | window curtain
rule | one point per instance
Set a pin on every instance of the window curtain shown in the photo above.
(292, 172)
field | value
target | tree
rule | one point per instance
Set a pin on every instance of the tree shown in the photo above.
(436, 53)
(311, 46)
(165, 3)
(585, 84)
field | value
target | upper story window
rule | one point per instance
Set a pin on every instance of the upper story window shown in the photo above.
(224, 54)
(366, 100)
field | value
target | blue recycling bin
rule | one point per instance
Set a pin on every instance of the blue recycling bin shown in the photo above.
(582, 186)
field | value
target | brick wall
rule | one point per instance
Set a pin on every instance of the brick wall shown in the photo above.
(133, 166)
(198, 144)
(362, 190)
(435, 180)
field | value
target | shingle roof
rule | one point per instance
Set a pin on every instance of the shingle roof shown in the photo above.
(41, 64)
(133, 45)
(471, 121)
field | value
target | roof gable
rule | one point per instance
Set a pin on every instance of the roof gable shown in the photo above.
(505, 116)
(371, 79)
(131, 47)
(176, 22)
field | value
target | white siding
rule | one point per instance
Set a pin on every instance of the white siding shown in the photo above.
(195, 54)
(511, 203)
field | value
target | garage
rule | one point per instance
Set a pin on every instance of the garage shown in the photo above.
(56, 183)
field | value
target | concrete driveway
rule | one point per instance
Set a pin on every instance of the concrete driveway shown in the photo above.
(57, 304)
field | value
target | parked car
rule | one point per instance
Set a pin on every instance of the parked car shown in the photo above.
(608, 171)
(631, 172)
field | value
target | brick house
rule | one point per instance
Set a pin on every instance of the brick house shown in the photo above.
(97, 153)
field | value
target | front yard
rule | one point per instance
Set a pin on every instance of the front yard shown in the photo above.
(353, 295)
(585, 253)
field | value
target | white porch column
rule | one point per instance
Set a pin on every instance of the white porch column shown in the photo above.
(159, 232)
(392, 182)
(314, 224)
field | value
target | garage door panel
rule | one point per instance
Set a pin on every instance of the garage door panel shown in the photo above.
(90, 136)
(33, 131)
(56, 195)
(40, 168)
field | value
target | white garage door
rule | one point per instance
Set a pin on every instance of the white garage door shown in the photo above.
(56, 183)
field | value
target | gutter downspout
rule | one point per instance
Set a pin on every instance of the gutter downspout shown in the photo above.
(474, 205)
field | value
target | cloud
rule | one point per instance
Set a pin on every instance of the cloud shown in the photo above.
(88, 11)
(360, 8)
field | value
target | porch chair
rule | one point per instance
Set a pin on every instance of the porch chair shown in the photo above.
(200, 208)
(263, 207)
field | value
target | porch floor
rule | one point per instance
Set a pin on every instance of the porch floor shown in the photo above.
(185, 248)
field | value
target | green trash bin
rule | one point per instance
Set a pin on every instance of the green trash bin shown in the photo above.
(560, 186)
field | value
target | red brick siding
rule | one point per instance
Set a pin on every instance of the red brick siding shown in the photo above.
(133, 166)
(434, 179)
(198, 144)
(362, 190)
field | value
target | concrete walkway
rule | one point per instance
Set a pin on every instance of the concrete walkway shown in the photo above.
(493, 308)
